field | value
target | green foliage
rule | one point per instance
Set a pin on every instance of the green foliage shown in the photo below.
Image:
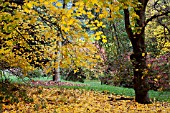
(118, 68)
(107, 79)
(120, 72)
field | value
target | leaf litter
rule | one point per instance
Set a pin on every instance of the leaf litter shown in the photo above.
(62, 100)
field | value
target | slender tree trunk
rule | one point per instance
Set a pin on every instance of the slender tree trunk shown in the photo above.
(56, 71)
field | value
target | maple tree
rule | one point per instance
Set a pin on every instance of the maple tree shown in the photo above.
(31, 34)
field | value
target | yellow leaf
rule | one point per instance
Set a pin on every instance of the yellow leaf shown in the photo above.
(98, 38)
(143, 54)
(104, 37)
(159, 76)
(103, 26)
(46, 3)
(76, 70)
(155, 79)
(149, 65)
(93, 28)
(70, 22)
(29, 5)
(99, 33)
(48, 70)
(98, 56)
(88, 13)
(104, 40)
(59, 4)
(96, 21)
(99, 24)
(26, 10)
(101, 16)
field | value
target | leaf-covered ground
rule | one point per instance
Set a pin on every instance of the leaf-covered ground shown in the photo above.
(60, 100)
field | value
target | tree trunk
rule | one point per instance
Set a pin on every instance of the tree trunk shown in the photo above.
(56, 75)
(141, 86)
(138, 57)
(56, 71)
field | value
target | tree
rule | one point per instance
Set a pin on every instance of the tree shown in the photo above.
(137, 39)
(34, 29)
(135, 23)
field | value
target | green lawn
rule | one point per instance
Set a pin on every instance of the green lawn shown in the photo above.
(96, 86)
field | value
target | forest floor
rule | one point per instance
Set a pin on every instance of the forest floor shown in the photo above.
(21, 98)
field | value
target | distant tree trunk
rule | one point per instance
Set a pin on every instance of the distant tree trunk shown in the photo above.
(56, 75)
(138, 57)
(56, 71)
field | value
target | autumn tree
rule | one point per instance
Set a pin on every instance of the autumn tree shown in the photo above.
(135, 23)
(136, 34)
(31, 31)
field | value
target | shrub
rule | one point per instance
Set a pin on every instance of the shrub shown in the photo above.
(76, 76)
(108, 80)
(122, 71)
(159, 78)
(36, 73)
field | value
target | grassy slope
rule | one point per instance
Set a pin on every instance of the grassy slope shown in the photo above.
(95, 85)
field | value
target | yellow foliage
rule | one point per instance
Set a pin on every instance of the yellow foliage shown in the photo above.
(62, 26)
(53, 24)
(157, 32)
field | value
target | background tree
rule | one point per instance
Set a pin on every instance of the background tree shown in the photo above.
(38, 27)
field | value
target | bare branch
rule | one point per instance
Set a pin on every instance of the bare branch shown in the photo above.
(156, 16)
(164, 25)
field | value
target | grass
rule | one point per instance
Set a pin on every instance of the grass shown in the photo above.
(96, 86)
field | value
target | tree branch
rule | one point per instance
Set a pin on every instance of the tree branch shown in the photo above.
(164, 25)
(155, 16)
(127, 23)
